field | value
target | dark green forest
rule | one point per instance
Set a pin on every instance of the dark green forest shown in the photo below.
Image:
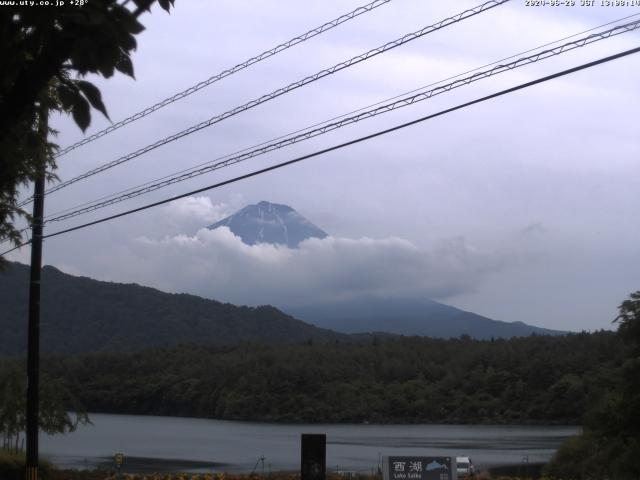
(538, 379)
(588, 379)
(84, 315)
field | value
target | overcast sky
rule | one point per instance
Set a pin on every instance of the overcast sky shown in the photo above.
(521, 208)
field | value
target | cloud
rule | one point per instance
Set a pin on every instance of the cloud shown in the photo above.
(200, 209)
(533, 229)
(217, 264)
(541, 155)
(184, 216)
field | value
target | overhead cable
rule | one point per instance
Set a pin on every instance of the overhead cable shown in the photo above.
(247, 149)
(346, 144)
(225, 73)
(281, 91)
(17, 247)
(394, 105)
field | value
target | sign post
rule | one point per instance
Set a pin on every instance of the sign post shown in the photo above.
(314, 456)
(119, 459)
(419, 468)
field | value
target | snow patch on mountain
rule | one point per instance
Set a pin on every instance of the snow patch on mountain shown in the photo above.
(271, 223)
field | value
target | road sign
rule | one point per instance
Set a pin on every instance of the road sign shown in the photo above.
(419, 468)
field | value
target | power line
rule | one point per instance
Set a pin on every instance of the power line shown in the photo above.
(281, 91)
(395, 97)
(15, 248)
(343, 145)
(225, 73)
(354, 119)
(351, 142)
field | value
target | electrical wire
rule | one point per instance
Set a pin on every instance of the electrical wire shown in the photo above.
(225, 73)
(281, 91)
(354, 119)
(15, 248)
(349, 143)
(395, 97)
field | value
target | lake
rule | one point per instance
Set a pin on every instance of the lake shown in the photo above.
(202, 445)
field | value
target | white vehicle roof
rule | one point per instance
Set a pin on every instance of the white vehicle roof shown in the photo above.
(463, 460)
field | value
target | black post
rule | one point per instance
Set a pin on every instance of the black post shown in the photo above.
(314, 456)
(33, 347)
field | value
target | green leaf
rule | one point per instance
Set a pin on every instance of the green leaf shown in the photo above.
(106, 70)
(132, 25)
(96, 16)
(126, 41)
(84, 56)
(165, 4)
(125, 65)
(66, 95)
(81, 113)
(92, 94)
(78, 17)
(143, 4)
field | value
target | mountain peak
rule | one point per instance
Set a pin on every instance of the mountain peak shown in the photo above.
(272, 223)
(265, 204)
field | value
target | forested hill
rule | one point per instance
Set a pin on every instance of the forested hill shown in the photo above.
(82, 315)
(538, 379)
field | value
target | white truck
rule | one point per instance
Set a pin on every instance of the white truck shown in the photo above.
(464, 467)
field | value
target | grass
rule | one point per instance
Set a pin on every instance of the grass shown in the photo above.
(12, 466)
(101, 475)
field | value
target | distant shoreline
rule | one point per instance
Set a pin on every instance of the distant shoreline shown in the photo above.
(321, 422)
(204, 445)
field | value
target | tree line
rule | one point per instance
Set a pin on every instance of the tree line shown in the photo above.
(590, 379)
(538, 379)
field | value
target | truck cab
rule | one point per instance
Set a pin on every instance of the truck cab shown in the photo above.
(464, 467)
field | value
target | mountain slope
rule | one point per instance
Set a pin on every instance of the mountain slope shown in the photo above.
(410, 316)
(270, 223)
(83, 315)
(280, 224)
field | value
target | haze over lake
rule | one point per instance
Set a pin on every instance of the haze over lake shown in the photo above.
(196, 444)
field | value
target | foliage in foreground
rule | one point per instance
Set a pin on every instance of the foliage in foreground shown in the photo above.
(60, 411)
(12, 466)
(609, 448)
(43, 50)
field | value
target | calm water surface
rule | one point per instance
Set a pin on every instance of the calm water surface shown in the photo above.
(193, 444)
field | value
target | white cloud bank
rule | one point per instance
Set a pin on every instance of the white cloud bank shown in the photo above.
(217, 264)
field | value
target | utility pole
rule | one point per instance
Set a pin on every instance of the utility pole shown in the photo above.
(33, 346)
